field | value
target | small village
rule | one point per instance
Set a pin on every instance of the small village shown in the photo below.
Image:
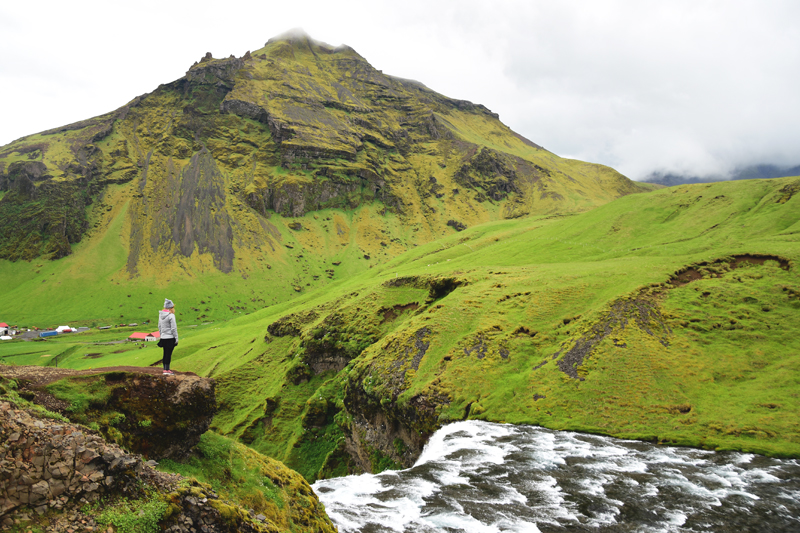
(8, 332)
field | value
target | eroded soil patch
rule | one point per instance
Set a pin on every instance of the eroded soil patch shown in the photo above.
(645, 315)
(716, 268)
(438, 288)
(393, 312)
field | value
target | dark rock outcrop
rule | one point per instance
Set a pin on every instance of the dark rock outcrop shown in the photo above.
(147, 413)
(163, 417)
(644, 313)
(60, 476)
(390, 431)
(383, 425)
(46, 463)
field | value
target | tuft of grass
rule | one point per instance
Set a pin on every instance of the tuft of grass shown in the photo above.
(133, 516)
(252, 481)
(81, 393)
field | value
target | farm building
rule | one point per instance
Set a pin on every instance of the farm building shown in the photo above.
(135, 337)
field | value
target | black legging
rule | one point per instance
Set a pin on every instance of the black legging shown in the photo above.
(168, 345)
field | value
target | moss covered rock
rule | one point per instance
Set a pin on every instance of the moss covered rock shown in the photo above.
(147, 413)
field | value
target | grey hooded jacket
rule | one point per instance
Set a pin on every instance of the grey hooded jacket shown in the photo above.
(167, 326)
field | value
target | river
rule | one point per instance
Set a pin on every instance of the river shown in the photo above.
(481, 477)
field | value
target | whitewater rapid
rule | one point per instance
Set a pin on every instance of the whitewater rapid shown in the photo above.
(481, 477)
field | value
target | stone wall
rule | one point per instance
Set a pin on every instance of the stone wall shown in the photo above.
(45, 464)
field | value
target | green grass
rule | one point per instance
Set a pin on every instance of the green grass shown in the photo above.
(133, 516)
(358, 167)
(252, 481)
(242, 478)
(8, 393)
(80, 394)
(527, 291)
(232, 471)
(91, 349)
(536, 273)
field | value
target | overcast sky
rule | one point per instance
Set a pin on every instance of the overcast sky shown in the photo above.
(688, 86)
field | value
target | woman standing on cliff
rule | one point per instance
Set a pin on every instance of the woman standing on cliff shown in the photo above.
(168, 328)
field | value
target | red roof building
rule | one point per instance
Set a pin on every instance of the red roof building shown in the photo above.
(138, 336)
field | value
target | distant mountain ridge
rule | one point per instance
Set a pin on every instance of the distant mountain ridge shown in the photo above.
(751, 172)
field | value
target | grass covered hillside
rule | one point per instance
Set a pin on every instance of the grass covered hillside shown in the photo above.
(275, 172)
(669, 316)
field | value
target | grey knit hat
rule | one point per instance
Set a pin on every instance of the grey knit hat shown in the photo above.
(168, 303)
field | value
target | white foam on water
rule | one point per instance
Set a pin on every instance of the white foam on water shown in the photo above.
(759, 476)
(450, 475)
(545, 458)
(675, 518)
(743, 457)
(351, 489)
(510, 495)
(649, 490)
(658, 456)
(554, 506)
(351, 501)
(678, 483)
(791, 495)
(455, 504)
(621, 464)
(714, 477)
(460, 522)
(479, 438)
(743, 494)
(512, 525)
(603, 519)
(594, 486)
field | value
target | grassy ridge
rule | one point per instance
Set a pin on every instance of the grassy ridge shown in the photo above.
(706, 356)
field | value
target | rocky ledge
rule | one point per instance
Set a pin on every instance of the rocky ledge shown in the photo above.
(51, 473)
(138, 408)
(60, 476)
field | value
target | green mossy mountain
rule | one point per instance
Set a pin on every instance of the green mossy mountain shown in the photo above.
(278, 165)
